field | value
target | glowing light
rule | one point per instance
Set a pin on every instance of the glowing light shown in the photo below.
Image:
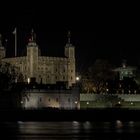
(77, 78)
(28, 80)
(119, 102)
(131, 103)
(76, 102)
(87, 103)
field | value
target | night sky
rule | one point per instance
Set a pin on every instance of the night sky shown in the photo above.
(104, 33)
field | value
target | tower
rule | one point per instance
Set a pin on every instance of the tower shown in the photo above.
(69, 48)
(2, 49)
(32, 56)
(70, 54)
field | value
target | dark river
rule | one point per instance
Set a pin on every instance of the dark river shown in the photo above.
(115, 130)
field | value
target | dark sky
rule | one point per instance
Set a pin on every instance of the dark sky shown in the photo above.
(96, 33)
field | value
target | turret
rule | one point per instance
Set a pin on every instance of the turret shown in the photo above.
(69, 48)
(32, 56)
(2, 49)
(70, 54)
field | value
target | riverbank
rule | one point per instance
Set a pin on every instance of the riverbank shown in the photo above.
(70, 115)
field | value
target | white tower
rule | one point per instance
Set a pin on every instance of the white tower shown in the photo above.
(2, 49)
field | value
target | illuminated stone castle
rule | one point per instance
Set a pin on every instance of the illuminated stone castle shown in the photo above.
(43, 69)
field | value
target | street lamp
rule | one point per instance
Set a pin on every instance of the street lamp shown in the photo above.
(77, 78)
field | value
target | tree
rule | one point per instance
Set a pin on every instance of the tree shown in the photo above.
(9, 93)
(97, 77)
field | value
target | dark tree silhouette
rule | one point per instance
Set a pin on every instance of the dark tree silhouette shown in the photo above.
(10, 91)
(97, 77)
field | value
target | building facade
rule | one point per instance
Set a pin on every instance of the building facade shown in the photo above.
(52, 98)
(43, 69)
(125, 71)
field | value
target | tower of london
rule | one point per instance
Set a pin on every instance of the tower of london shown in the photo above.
(43, 69)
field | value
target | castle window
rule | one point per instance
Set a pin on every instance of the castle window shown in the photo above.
(63, 70)
(63, 77)
(56, 77)
(71, 70)
(71, 77)
(56, 99)
(49, 99)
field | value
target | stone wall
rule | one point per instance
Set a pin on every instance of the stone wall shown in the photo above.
(62, 99)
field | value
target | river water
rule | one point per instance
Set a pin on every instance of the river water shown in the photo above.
(73, 130)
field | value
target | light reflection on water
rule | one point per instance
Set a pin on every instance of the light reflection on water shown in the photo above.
(115, 130)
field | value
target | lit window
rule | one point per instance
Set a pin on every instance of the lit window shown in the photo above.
(131, 103)
(119, 102)
(76, 102)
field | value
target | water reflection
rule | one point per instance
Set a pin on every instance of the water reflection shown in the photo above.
(116, 130)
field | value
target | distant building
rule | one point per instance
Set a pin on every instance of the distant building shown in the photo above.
(125, 71)
(43, 69)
